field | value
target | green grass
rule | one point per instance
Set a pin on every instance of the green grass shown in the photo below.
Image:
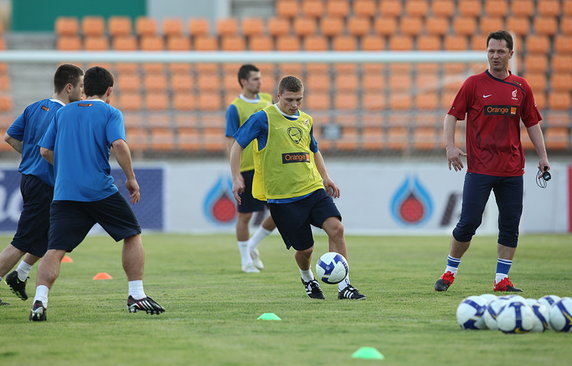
(212, 307)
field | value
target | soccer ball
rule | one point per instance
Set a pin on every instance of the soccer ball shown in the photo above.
(561, 315)
(542, 316)
(470, 313)
(489, 297)
(493, 310)
(549, 300)
(516, 317)
(332, 268)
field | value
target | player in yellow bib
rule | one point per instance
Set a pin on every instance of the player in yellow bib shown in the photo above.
(248, 102)
(291, 175)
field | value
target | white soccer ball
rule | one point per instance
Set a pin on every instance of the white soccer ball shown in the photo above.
(516, 317)
(549, 300)
(530, 301)
(561, 315)
(493, 310)
(332, 268)
(542, 317)
(489, 297)
(470, 313)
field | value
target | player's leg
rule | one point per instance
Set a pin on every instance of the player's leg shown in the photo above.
(242, 239)
(246, 245)
(48, 272)
(262, 232)
(8, 258)
(509, 195)
(476, 191)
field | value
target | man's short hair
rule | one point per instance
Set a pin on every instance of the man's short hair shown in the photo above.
(96, 81)
(244, 72)
(499, 36)
(291, 84)
(66, 74)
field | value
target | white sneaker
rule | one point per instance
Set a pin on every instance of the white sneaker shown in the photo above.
(250, 268)
(255, 255)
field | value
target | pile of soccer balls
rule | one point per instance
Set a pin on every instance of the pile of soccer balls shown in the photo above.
(515, 314)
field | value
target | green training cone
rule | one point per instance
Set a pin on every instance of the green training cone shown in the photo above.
(268, 316)
(368, 353)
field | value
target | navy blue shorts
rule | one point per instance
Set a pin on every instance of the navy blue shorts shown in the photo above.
(249, 203)
(34, 223)
(508, 193)
(293, 219)
(70, 221)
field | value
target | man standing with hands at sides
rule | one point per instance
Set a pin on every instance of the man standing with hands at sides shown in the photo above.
(494, 103)
(78, 143)
(37, 183)
(290, 174)
(248, 102)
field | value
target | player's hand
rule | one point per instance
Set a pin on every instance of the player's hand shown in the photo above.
(133, 188)
(454, 158)
(543, 165)
(238, 188)
(331, 188)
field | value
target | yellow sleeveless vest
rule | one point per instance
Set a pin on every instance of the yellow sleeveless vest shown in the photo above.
(245, 109)
(285, 167)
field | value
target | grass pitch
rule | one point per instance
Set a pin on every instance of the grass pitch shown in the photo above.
(212, 307)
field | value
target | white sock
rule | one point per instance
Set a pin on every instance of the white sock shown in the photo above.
(453, 270)
(500, 276)
(136, 289)
(23, 270)
(244, 253)
(42, 295)
(255, 239)
(345, 283)
(307, 275)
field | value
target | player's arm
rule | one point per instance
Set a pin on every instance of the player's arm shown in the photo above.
(123, 156)
(331, 187)
(15, 143)
(237, 179)
(453, 152)
(232, 124)
(47, 154)
(537, 138)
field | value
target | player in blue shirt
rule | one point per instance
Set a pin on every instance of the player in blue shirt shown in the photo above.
(37, 183)
(78, 142)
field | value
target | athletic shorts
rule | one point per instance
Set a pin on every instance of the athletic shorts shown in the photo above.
(34, 223)
(70, 221)
(294, 219)
(249, 203)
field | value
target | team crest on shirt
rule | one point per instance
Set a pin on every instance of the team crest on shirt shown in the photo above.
(514, 93)
(295, 134)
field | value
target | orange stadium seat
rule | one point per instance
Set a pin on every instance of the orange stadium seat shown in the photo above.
(496, 8)
(5, 103)
(155, 82)
(172, 27)
(567, 7)
(400, 43)
(96, 43)
(278, 26)
(145, 27)
(438, 26)
(417, 8)
(317, 82)
(385, 26)
(181, 82)
(93, 26)
(210, 101)
(465, 25)
(184, 101)
(443, 8)
(163, 139)
(522, 8)
(537, 44)
(536, 80)
(346, 101)
(561, 63)
(4, 82)
(400, 101)
(491, 23)
(331, 26)
(119, 26)
(346, 83)
(209, 82)
(557, 138)
(125, 43)
(427, 101)
(227, 26)
(559, 101)
(428, 43)
(397, 138)
(563, 44)
(519, 25)
(390, 8)
(344, 43)
(261, 43)
(178, 43)
(137, 138)
(68, 43)
(130, 101)
(188, 139)
(317, 101)
(338, 8)
(455, 43)
(372, 138)
(152, 43)
(316, 42)
(545, 25)
(548, 7)
(424, 138)
(400, 81)
(252, 26)
(411, 25)
(305, 26)
(313, 8)
(205, 43)
(374, 101)
(349, 139)
(373, 82)
(566, 25)
(365, 8)
(479, 42)
(287, 43)
(67, 26)
(128, 82)
(358, 26)
(233, 43)
(561, 82)
(470, 8)
(199, 27)
(372, 42)
(535, 63)
(286, 8)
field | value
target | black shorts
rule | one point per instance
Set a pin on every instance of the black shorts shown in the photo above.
(70, 221)
(34, 223)
(249, 203)
(293, 219)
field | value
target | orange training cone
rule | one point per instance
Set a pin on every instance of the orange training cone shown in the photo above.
(67, 259)
(102, 276)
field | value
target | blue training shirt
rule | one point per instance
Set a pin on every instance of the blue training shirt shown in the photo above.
(80, 136)
(29, 128)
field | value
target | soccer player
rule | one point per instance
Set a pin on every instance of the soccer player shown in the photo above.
(37, 183)
(290, 174)
(78, 143)
(248, 102)
(494, 102)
